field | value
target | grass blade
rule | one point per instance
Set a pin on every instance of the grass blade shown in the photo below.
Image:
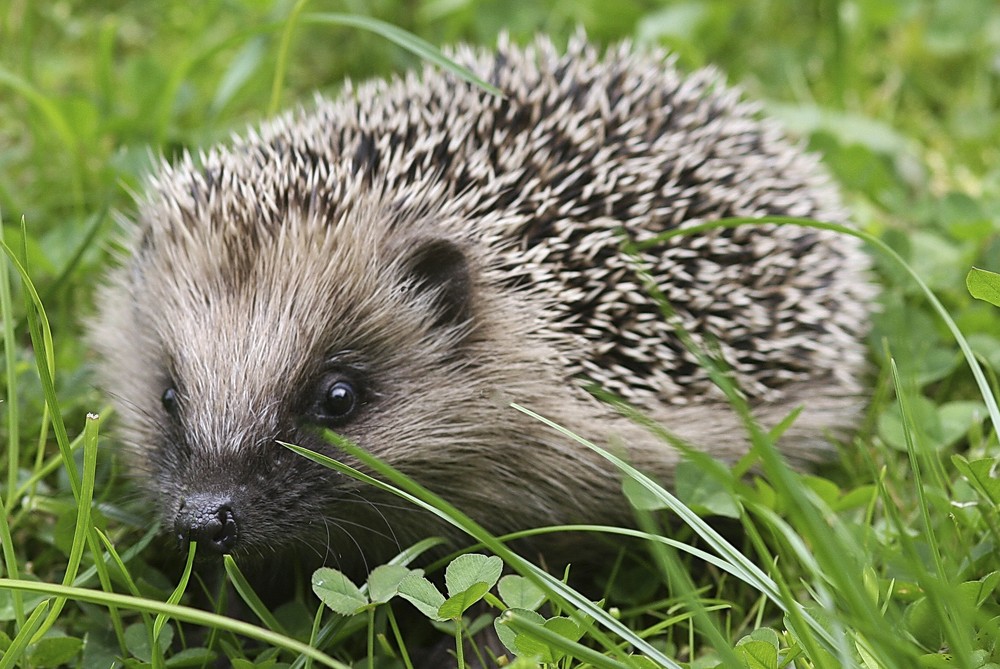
(249, 596)
(82, 528)
(177, 612)
(408, 41)
(23, 638)
(41, 339)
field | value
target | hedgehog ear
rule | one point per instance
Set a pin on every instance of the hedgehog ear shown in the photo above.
(439, 269)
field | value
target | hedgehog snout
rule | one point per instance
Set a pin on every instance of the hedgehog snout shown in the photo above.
(208, 519)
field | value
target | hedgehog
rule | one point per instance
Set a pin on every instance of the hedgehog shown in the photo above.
(402, 262)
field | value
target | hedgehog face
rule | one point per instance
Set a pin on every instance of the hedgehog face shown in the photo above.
(263, 345)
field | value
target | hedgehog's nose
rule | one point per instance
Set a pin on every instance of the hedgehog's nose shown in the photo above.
(207, 519)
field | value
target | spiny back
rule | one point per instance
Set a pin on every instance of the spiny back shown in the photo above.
(581, 153)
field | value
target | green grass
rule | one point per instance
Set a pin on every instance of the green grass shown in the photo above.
(886, 558)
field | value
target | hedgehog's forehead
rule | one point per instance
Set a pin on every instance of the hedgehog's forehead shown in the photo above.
(222, 294)
(231, 256)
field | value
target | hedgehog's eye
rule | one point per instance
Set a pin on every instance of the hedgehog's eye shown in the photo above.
(340, 399)
(336, 398)
(170, 402)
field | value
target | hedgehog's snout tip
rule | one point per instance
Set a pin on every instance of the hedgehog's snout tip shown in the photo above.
(208, 520)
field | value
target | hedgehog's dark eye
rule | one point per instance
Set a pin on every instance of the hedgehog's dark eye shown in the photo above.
(340, 399)
(170, 401)
(336, 398)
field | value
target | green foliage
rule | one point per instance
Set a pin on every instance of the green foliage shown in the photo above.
(336, 591)
(887, 558)
(984, 285)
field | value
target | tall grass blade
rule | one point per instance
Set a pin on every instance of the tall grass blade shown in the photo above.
(178, 592)
(81, 531)
(408, 41)
(174, 611)
(41, 339)
(281, 61)
(939, 587)
(116, 620)
(23, 638)
(12, 404)
(249, 596)
(13, 434)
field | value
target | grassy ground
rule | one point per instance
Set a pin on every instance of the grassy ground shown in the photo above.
(888, 559)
